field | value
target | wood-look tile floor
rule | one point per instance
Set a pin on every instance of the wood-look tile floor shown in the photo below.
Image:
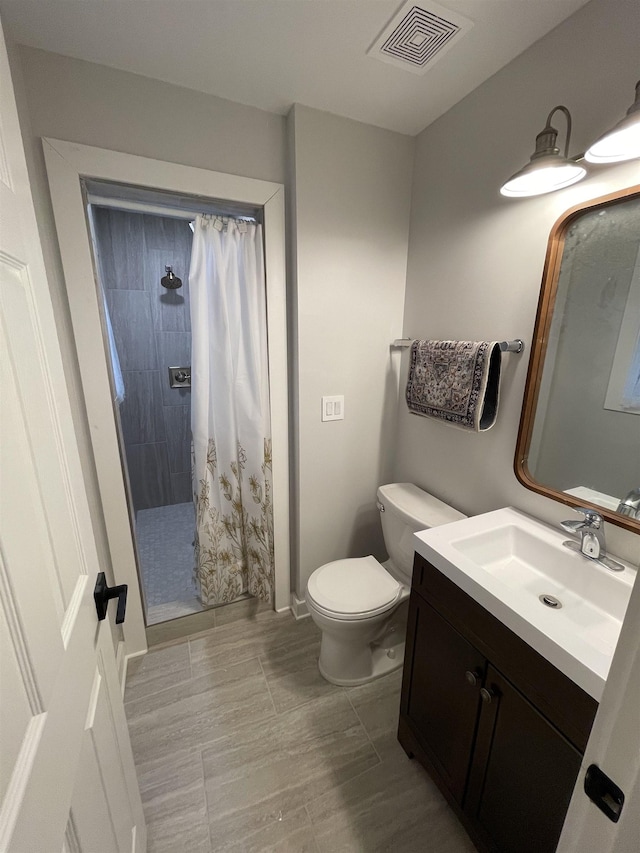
(241, 746)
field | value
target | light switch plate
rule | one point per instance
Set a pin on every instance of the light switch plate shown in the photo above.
(333, 408)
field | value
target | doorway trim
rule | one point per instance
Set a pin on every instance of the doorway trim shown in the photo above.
(67, 164)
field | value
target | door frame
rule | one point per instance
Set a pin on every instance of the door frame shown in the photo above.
(67, 164)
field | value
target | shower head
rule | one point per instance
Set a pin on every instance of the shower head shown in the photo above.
(170, 280)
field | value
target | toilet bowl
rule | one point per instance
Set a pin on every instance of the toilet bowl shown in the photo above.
(361, 605)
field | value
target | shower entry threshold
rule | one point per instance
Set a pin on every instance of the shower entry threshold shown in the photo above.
(165, 544)
(164, 535)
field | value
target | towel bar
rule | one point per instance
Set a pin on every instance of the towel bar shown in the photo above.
(505, 346)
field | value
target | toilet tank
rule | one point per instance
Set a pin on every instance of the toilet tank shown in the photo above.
(405, 509)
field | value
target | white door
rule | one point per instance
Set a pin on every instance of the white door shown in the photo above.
(67, 779)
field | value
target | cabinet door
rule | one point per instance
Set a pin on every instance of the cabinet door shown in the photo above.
(441, 702)
(523, 773)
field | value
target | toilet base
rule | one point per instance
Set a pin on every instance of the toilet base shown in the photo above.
(383, 661)
(355, 651)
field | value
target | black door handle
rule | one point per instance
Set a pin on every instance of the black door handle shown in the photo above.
(102, 595)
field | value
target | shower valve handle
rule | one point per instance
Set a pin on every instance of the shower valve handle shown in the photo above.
(102, 595)
(182, 376)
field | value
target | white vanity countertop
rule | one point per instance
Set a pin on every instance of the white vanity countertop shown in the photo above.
(598, 498)
(505, 559)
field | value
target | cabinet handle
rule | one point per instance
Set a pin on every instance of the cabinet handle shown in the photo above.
(472, 677)
(487, 696)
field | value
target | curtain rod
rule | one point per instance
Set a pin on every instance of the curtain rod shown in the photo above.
(516, 345)
(155, 209)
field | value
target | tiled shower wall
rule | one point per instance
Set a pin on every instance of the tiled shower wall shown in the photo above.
(152, 329)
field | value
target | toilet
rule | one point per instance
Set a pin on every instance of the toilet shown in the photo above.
(361, 605)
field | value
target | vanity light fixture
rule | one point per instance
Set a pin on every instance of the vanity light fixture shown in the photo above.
(547, 170)
(622, 142)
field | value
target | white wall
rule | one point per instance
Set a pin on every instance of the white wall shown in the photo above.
(351, 197)
(476, 259)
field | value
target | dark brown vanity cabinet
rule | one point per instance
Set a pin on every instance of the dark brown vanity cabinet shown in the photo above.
(500, 729)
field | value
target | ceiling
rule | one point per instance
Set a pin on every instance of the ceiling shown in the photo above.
(273, 53)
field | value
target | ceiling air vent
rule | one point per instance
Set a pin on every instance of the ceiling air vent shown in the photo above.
(415, 38)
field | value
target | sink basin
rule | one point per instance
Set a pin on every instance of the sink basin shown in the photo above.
(531, 564)
(511, 564)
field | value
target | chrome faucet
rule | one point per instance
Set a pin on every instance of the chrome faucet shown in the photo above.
(630, 506)
(592, 542)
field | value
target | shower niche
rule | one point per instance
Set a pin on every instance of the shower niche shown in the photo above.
(143, 266)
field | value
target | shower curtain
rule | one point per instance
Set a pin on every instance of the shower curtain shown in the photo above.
(230, 419)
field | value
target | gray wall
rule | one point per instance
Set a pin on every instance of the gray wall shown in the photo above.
(476, 258)
(78, 101)
(152, 329)
(84, 102)
(351, 189)
(353, 184)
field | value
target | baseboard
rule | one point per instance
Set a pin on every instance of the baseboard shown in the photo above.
(299, 607)
(122, 662)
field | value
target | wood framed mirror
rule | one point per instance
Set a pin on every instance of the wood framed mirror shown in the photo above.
(579, 437)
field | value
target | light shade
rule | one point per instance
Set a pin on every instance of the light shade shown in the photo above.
(547, 170)
(554, 173)
(622, 142)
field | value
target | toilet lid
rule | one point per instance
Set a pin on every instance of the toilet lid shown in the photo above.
(353, 587)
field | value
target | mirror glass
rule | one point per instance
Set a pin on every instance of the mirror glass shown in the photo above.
(579, 437)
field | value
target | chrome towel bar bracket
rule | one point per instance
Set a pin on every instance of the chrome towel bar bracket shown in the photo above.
(512, 346)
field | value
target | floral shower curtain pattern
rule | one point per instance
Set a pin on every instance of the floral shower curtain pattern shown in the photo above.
(230, 419)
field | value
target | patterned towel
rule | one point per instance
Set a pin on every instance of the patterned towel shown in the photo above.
(455, 381)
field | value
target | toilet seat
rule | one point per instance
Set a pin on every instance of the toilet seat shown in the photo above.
(357, 588)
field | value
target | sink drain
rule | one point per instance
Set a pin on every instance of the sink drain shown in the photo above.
(550, 601)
